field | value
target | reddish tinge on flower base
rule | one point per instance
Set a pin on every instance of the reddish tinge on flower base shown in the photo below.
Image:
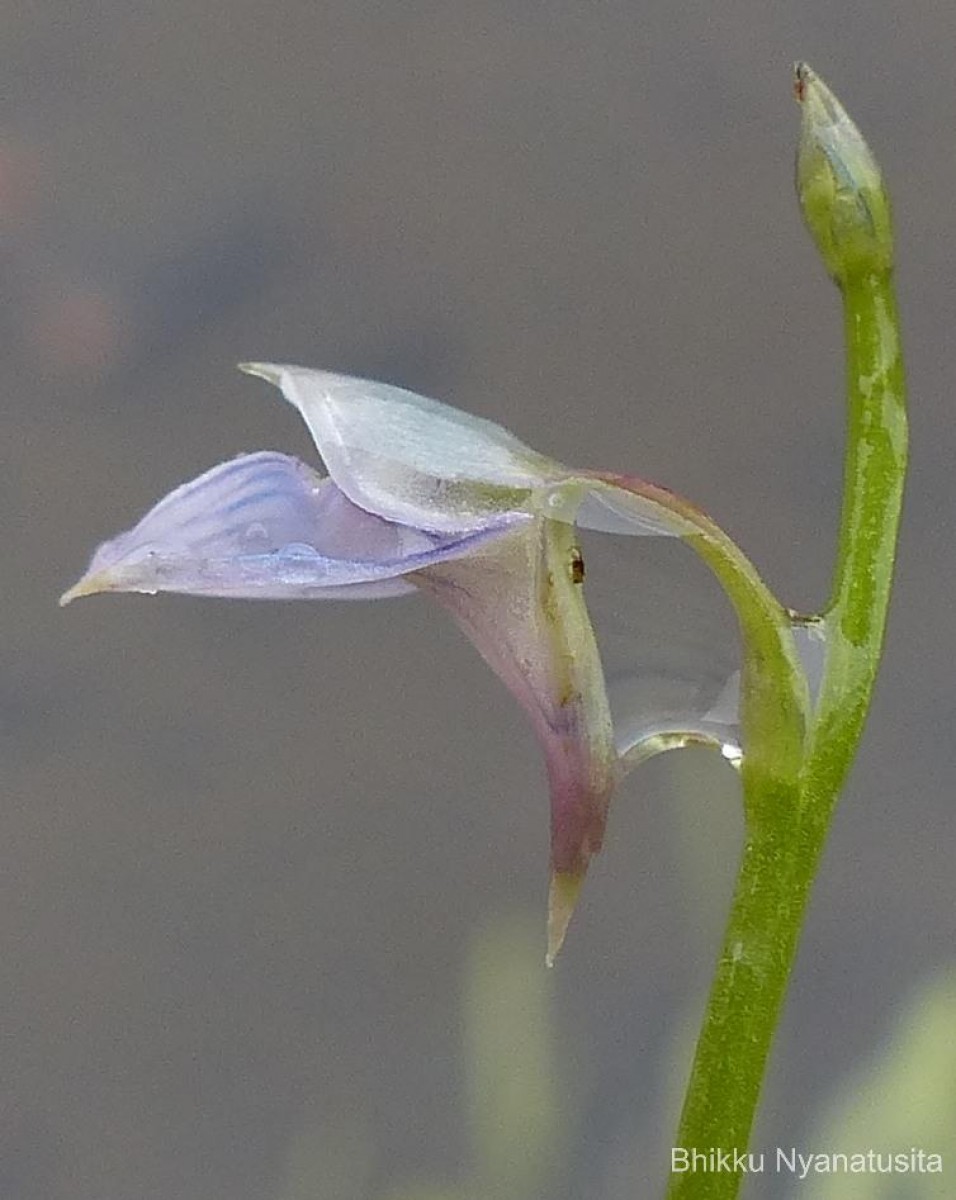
(422, 497)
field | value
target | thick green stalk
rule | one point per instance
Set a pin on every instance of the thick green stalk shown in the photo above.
(846, 210)
(875, 470)
(773, 883)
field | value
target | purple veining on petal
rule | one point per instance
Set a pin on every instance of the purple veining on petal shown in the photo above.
(266, 526)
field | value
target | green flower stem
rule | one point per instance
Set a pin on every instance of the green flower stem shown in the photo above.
(773, 883)
(774, 692)
(875, 471)
(788, 816)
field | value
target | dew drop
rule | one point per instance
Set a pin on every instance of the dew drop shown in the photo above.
(298, 550)
(670, 646)
(256, 534)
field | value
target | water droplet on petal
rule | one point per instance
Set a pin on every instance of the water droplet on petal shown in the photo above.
(255, 536)
(733, 754)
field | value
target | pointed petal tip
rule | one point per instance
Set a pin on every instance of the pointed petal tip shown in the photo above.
(88, 585)
(562, 898)
(267, 371)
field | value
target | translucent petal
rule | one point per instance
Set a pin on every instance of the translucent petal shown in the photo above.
(424, 463)
(408, 458)
(265, 526)
(599, 503)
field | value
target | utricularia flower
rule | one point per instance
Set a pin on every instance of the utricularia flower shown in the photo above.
(420, 497)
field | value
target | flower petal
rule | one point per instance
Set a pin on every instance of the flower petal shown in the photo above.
(642, 509)
(408, 458)
(520, 601)
(420, 462)
(266, 526)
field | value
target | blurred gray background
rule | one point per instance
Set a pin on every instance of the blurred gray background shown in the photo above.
(246, 850)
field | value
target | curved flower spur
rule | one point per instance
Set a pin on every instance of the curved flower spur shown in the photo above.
(422, 497)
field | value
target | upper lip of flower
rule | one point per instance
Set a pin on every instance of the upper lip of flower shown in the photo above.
(420, 496)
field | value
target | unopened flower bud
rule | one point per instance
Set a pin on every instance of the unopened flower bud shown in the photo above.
(839, 185)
